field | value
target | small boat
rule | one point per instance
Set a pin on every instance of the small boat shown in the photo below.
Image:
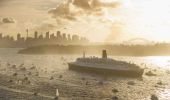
(56, 95)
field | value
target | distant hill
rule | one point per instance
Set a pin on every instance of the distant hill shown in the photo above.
(117, 50)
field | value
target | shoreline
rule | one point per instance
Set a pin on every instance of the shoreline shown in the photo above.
(113, 50)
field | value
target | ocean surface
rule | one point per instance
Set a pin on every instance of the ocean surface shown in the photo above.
(53, 73)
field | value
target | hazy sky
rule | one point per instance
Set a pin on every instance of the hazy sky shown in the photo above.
(99, 20)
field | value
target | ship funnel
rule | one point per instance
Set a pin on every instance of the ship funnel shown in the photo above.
(104, 54)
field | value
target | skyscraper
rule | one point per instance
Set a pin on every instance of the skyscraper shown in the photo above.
(64, 36)
(0, 35)
(35, 34)
(75, 38)
(18, 37)
(47, 35)
(69, 37)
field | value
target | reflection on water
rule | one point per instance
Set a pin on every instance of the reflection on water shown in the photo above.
(165, 94)
(55, 65)
(162, 62)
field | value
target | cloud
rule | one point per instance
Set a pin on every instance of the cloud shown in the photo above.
(85, 4)
(96, 15)
(72, 10)
(62, 11)
(94, 4)
(7, 20)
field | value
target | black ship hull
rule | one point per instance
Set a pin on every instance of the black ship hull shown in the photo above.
(103, 71)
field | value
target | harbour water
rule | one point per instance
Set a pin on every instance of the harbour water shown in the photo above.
(24, 75)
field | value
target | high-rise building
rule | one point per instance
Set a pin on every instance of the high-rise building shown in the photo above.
(52, 36)
(0, 35)
(7, 37)
(41, 36)
(18, 36)
(64, 36)
(35, 34)
(59, 36)
(69, 37)
(75, 38)
(11, 38)
(47, 35)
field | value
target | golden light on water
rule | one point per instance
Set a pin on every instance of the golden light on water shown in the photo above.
(160, 61)
(165, 94)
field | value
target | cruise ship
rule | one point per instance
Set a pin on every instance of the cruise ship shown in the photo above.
(106, 66)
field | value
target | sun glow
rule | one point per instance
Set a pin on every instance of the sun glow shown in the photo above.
(150, 19)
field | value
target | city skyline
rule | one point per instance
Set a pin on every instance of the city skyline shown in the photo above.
(57, 38)
(31, 34)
